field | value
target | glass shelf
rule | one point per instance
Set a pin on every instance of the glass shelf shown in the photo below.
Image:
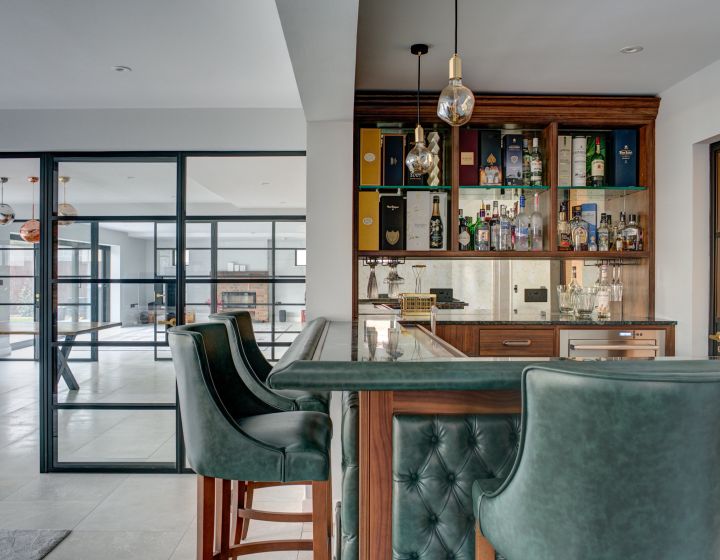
(405, 187)
(505, 187)
(606, 188)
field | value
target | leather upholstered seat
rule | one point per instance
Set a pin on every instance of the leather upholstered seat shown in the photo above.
(255, 369)
(231, 435)
(616, 460)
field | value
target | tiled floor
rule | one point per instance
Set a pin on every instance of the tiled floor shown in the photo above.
(116, 517)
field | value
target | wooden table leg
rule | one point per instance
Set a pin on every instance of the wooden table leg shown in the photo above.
(483, 549)
(63, 366)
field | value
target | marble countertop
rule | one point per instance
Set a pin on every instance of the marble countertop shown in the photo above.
(488, 318)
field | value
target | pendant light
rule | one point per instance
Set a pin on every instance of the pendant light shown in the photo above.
(420, 159)
(30, 230)
(7, 214)
(456, 102)
(65, 209)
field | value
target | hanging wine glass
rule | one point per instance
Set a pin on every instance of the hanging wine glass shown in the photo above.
(372, 287)
(30, 230)
(418, 270)
(7, 214)
(65, 209)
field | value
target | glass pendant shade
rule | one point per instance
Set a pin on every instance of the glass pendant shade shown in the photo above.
(456, 102)
(30, 231)
(7, 214)
(420, 159)
(68, 210)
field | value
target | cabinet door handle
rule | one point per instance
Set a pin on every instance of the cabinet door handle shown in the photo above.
(517, 342)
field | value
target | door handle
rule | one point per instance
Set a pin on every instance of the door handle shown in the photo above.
(612, 347)
(517, 342)
(715, 337)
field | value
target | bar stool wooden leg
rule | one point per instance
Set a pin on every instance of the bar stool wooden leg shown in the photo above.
(320, 523)
(225, 514)
(205, 518)
(249, 493)
(483, 549)
(239, 504)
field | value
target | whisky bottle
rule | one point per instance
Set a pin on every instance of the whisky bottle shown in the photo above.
(463, 234)
(579, 231)
(482, 233)
(597, 166)
(563, 230)
(603, 234)
(436, 225)
(630, 233)
(522, 228)
(536, 226)
(536, 166)
(526, 163)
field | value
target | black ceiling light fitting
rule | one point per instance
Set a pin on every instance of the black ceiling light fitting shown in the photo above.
(420, 159)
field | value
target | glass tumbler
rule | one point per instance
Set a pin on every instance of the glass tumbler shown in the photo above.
(565, 299)
(585, 301)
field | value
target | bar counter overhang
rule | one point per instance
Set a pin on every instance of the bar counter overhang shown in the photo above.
(411, 396)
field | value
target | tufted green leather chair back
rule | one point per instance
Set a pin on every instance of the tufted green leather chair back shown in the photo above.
(436, 459)
(618, 460)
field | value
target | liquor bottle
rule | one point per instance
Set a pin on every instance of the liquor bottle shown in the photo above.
(512, 218)
(463, 235)
(620, 233)
(603, 234)
(505, 232)
(436, 225)
(611, 233)
(522, 228)
(536, 166)
(630, 233)
(526, 163)
(579, 231)
(536, 226)
(495, 228)
(563, 230)
(574, 285)
(597, 166)
(482, 233)
(603, 295)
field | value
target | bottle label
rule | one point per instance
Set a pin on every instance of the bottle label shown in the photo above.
(464, 238)
(598, 168)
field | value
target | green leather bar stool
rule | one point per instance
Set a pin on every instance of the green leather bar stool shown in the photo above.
(231, 435)
(254, 370)
(617, 460)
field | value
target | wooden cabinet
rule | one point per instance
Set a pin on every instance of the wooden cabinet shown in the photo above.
(465, 338)
(517, 342)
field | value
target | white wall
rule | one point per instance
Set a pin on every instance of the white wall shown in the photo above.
(688, 121)
(152, 129)
(329, 227)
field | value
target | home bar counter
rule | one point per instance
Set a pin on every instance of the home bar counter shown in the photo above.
(430, 421)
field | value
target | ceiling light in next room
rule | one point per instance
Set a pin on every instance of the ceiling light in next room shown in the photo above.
(632, 49)
(122, 68)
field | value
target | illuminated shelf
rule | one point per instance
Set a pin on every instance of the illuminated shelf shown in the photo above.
(405, 187)
(608, 188)
(506, 187)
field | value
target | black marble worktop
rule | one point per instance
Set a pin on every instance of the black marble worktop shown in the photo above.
(488, 318)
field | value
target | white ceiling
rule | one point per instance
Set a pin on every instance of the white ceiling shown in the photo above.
(184, 54)
(525, 46)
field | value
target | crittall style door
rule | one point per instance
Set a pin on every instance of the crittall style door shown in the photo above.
(714, 342)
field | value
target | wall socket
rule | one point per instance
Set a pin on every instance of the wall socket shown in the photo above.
(536, 295)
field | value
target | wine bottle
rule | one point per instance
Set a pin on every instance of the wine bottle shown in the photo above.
(436, 225)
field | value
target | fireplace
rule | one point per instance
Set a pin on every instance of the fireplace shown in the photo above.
(241, 290)
(238, 300)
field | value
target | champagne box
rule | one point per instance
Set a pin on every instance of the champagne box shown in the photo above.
(624, 158)
(368, 221)
(392, 223)
(419, 208)
(512, 159)
(394, 159)
(412, 179)
(490, 164)
(579, 165)
(370, 169)
(468, 156)
(564, 161)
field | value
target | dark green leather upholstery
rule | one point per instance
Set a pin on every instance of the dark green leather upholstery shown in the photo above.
(351, 477)
(436, 459)
(229, 432)
(618, 460)
(254, 368)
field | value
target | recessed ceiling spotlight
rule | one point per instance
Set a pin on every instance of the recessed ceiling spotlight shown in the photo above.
(122, 69)
(632, 49)
(265, 183)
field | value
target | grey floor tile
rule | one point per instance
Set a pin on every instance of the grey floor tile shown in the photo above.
(43, 515)
(118, 545)
(68, 487)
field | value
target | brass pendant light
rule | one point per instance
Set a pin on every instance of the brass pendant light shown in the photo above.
(420, 159)
(7, 214)
(456, 102)
(30, 230)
